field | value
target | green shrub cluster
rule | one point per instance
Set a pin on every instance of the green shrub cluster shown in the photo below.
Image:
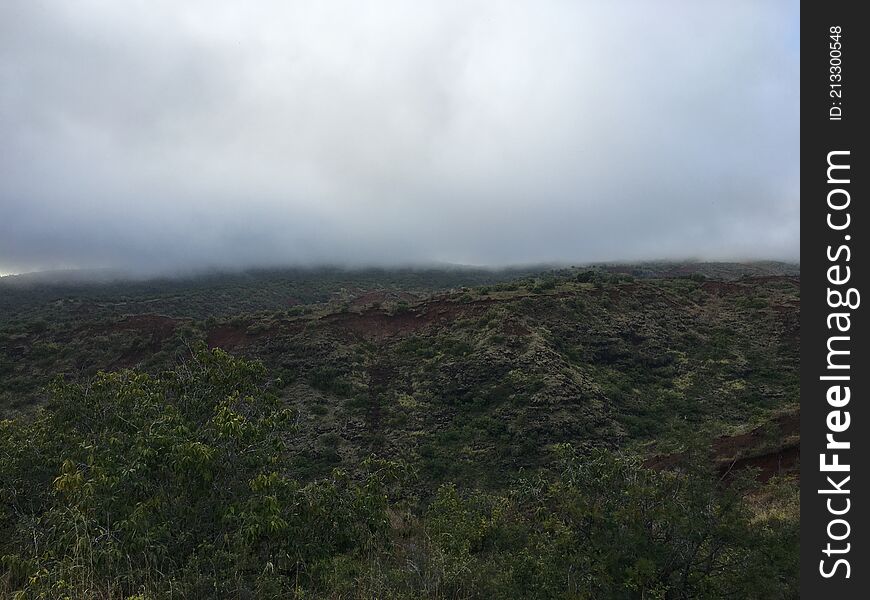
(179, 486)
(603, 526)
(174, 483)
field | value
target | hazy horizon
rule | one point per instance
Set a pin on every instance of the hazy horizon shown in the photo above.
(104, 275)
(167, 137)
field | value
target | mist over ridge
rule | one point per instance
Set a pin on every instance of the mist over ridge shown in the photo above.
(159, 138)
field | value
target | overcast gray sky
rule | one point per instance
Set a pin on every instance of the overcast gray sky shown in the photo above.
(161, 134)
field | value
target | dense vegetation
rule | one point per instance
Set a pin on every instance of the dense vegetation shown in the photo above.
(604, 433)
(222, 294)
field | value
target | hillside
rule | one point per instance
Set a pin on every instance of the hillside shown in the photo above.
(473, 381)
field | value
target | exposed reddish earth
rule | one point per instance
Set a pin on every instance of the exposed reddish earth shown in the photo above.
(155, 324)
(228, 337)
(745, 450)
(772, 448)
(782, 461)
(376, 323)
(784, 426)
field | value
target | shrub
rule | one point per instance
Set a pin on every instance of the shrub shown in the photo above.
(131, 482)
(603, 526)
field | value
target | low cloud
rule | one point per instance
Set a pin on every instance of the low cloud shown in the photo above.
(163, 135)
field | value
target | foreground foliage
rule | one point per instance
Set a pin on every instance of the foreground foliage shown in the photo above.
(178, 485)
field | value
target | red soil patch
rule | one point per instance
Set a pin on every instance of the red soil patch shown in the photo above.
(445, 311)
(228, 337)
(742, 451)
(155, 324)
(728, 447)
(376, 323)
(734, 453)
(779, 462)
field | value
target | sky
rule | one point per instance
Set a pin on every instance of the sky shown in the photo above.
(161, 135)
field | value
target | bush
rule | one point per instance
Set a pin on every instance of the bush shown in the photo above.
(329, 379)
(131, 483)
(603, 526)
